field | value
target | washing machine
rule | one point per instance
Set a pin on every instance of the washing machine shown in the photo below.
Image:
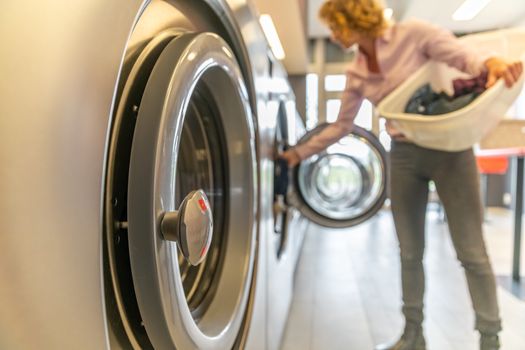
(287, 227)
(282, 229)
(132, 176)
(245, 15)
(300, 222)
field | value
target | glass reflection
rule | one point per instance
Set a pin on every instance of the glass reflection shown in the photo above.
(345, 181)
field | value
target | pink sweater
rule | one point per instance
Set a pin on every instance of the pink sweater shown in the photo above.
(401, 50)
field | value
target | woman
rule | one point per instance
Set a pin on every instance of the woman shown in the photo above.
(387, 54)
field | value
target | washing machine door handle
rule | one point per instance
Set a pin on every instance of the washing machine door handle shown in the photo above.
(191, 226)
(281, 177)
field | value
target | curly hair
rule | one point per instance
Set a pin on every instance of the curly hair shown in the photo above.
(362, 16)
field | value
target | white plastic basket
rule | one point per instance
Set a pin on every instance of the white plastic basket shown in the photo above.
(465, 127)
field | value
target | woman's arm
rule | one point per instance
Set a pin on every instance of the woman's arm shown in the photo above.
(350, 103)
(441, 45)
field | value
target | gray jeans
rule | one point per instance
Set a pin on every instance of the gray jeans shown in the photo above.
(457, 182)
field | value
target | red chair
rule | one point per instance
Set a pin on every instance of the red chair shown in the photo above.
(497, 165)
(492, 165)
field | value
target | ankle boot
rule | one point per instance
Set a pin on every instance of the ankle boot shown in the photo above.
(489, 342)
(412, 339)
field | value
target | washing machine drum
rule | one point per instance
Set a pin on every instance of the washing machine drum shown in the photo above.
(345, 184)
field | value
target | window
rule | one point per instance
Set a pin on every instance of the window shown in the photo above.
(312, 85)
(364, 115)
(332, 110)
(384, 138)
(363, 118)
(335, 82)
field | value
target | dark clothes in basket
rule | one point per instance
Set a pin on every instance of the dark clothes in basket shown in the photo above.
(428, 102)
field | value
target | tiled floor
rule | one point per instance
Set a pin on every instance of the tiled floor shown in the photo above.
(347, 292)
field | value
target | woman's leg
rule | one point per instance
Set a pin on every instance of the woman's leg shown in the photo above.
(409, 196)
(457, 182)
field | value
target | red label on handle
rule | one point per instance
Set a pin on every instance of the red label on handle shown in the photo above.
(203, 251)
(202, 204)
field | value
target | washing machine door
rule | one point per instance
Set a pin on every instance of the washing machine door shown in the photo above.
(191, 202)
(345, 184)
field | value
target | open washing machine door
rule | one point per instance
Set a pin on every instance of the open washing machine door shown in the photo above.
(344, 185)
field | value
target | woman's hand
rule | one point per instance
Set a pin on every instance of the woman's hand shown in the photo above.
(291, 156)
(497, 68)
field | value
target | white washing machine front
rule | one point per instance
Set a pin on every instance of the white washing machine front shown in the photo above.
(132, 144)
(287, 226)
(260, 337)
(280, 235)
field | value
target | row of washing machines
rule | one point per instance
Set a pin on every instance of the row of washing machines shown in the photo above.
(138, 206)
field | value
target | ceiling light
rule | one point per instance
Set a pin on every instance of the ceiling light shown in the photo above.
(271, 36)
(387, 13)
(469, 9)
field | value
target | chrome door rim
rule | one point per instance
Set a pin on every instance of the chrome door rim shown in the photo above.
(117, 252)
(321, 212)
(162, 302)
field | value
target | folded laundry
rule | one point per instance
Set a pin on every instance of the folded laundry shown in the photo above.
(428, 102)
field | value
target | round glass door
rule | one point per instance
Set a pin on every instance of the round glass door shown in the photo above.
(345, 184)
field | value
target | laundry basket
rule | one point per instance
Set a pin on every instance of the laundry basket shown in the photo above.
(460, 129)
